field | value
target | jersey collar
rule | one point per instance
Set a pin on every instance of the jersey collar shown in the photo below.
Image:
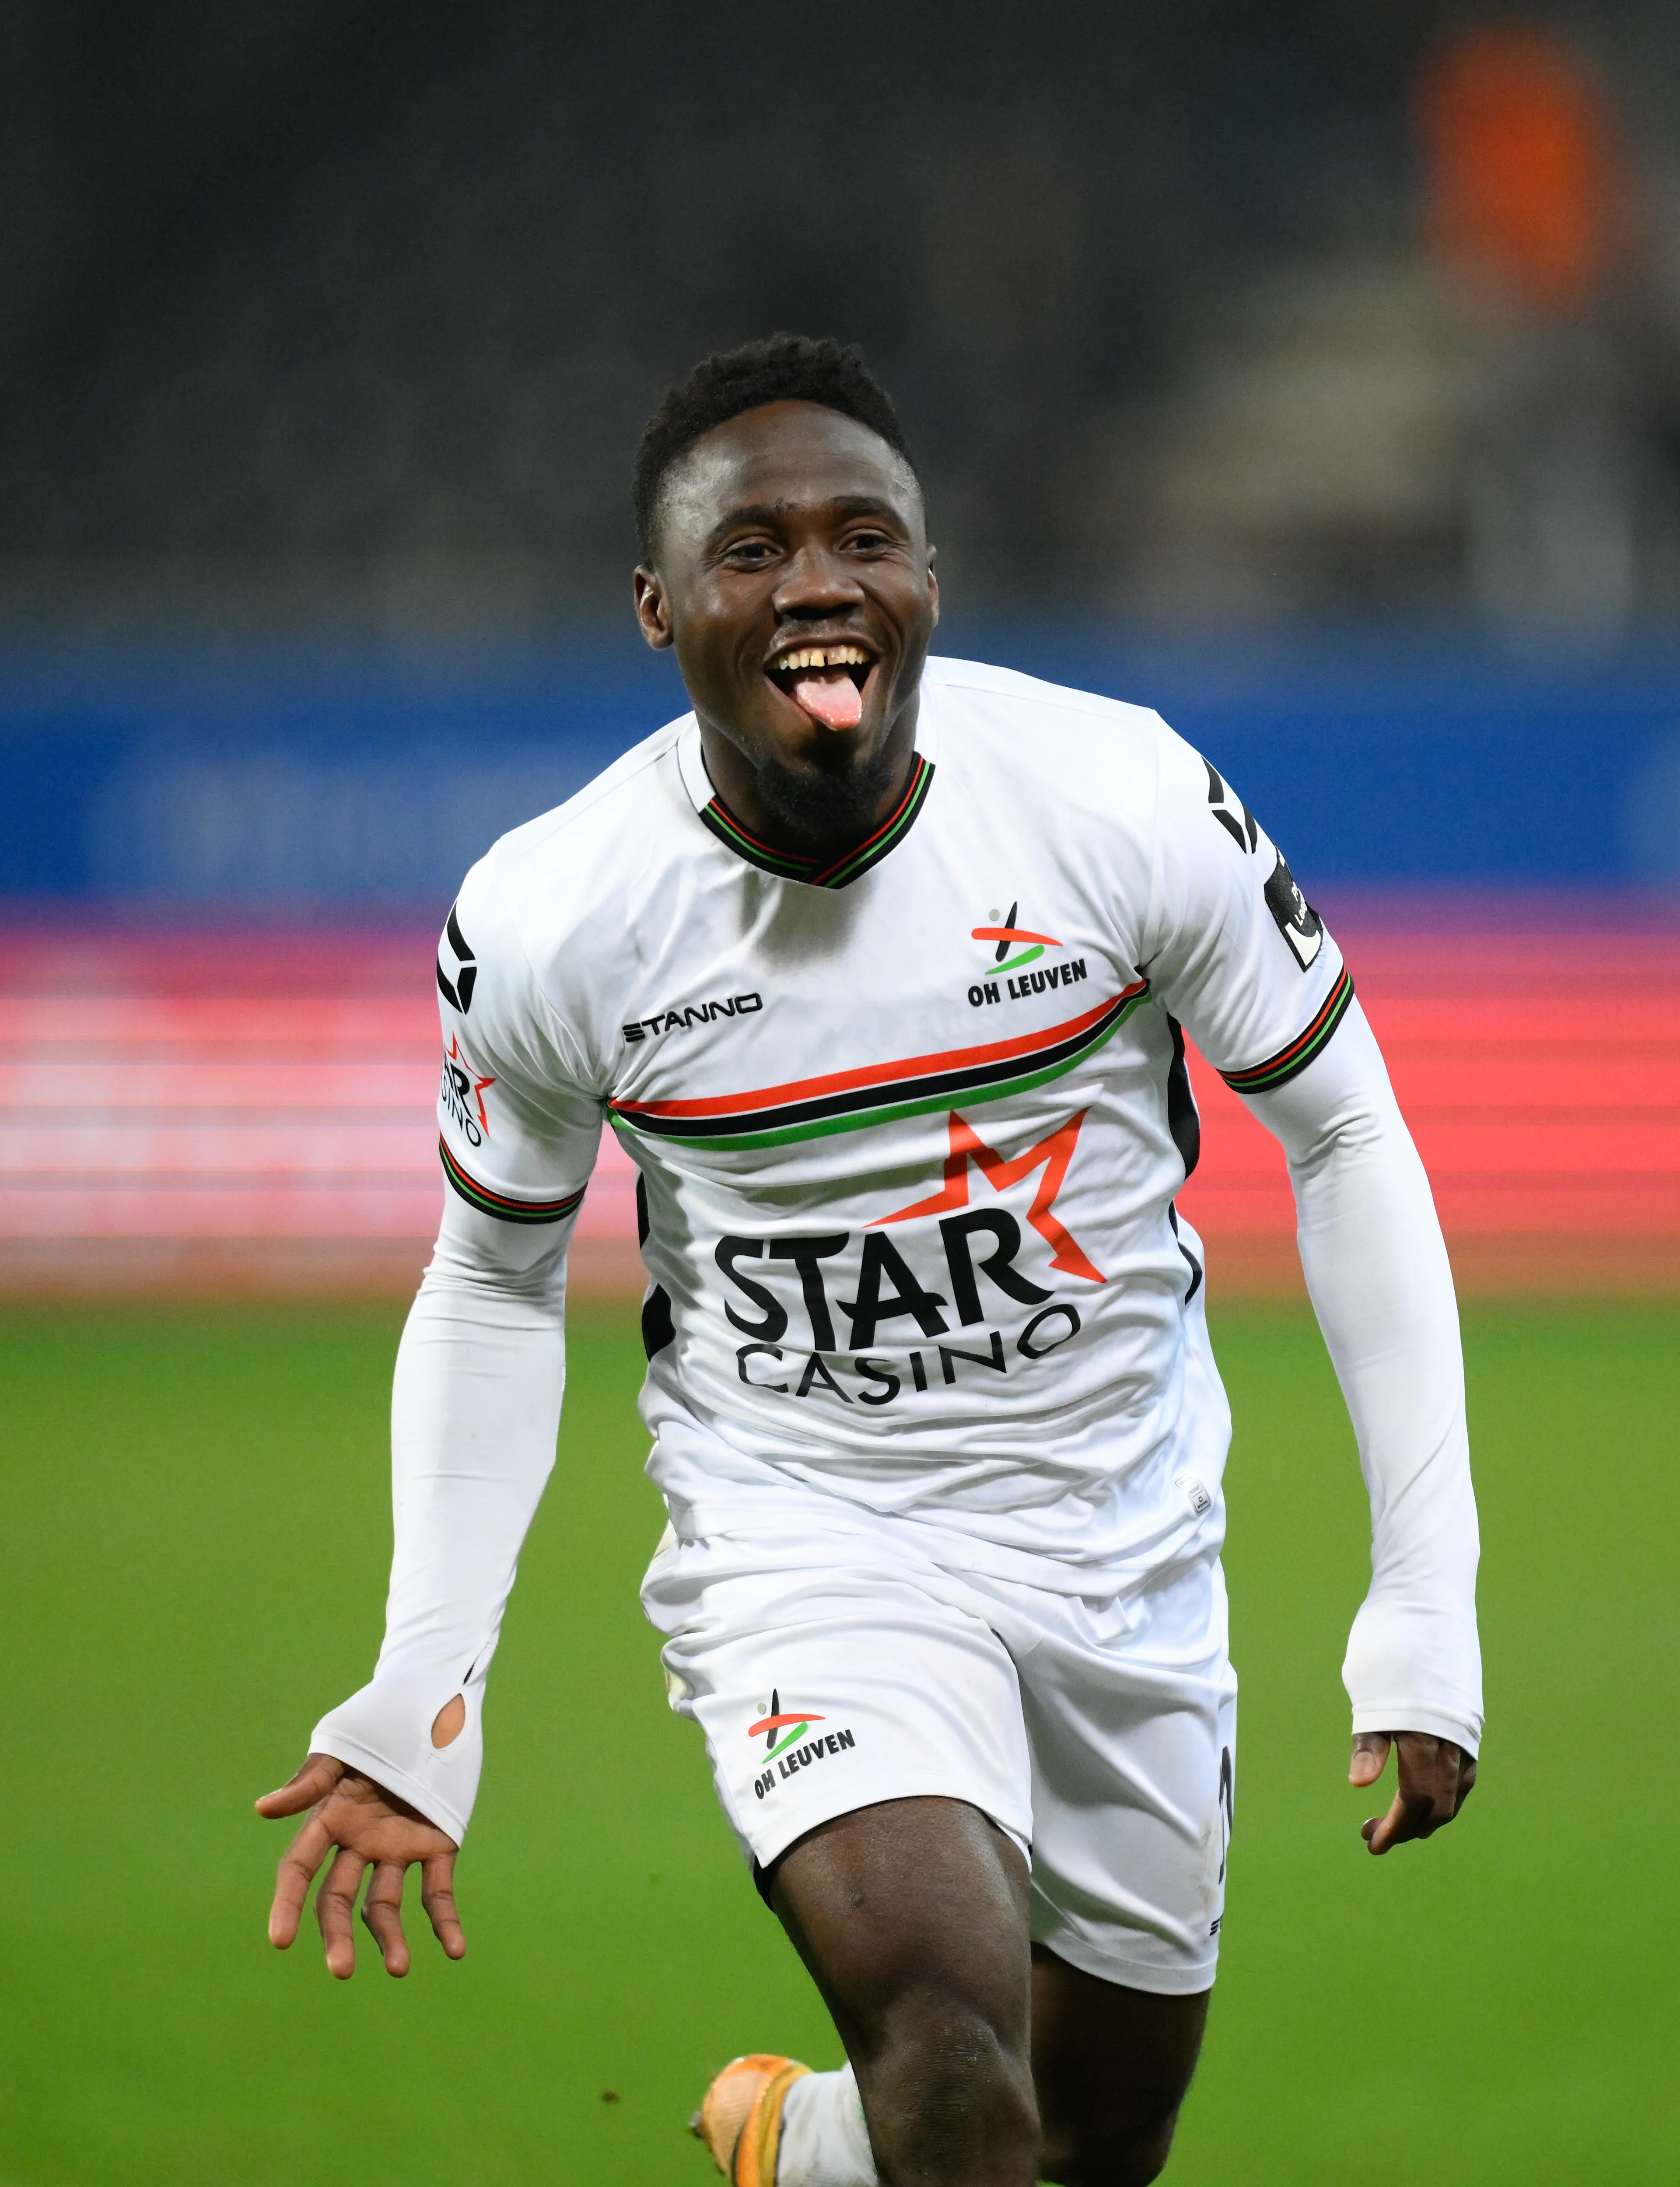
(831, 874)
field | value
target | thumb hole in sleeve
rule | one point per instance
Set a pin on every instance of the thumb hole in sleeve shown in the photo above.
(448, 1723)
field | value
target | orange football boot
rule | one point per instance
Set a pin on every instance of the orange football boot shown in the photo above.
(740, 2122)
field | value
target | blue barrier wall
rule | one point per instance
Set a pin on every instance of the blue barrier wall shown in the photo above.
(279, 782)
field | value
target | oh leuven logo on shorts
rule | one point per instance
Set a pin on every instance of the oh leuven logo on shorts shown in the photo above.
(789, 1745)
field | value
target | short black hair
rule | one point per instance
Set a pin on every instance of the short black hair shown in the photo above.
(782, 367)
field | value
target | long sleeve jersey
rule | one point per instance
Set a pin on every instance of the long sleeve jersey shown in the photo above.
(910, 1127)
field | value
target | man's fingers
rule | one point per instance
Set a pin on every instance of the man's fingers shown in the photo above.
(293, 1878)
(438, 1895)
(316, 1778)
(371, 1828)
(382, 1911)
(1392, 1829)
(1428, 1778)
(333, 1905)
(1370, 1757)
(1435, 1780)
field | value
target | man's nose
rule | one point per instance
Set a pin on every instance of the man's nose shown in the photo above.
(815, 581)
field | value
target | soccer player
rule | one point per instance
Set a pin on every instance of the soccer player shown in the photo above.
(882, 969)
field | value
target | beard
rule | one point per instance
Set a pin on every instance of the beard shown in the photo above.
(826, 808)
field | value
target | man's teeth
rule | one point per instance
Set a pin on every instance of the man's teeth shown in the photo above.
(823, 656)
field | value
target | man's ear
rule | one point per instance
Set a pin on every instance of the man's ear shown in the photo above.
(651, 610)
(933, 581)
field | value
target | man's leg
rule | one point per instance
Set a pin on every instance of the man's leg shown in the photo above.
(1110, 2066)
(912, 1917)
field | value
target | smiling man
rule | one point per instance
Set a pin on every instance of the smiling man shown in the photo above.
(882, 969)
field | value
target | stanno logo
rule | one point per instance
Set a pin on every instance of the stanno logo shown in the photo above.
(1229, 811)
(456, 977)
(734, 1006)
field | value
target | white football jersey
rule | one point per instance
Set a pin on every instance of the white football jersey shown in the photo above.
(910, 1127)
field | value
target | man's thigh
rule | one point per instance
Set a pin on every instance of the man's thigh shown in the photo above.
(910, 1900)
(912, 1917)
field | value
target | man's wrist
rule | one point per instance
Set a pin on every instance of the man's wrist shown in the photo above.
(385, 1731)
(1392, 1717)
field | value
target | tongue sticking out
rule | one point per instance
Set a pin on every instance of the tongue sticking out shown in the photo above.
(831, 698)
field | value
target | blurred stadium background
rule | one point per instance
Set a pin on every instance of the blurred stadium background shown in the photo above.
(1311, 373)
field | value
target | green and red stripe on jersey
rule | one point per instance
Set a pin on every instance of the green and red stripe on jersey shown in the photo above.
(1277, 1070)
(498, 1204)
(832, 872)
(880, 1093)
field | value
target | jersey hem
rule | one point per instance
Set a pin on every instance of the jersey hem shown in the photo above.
(778, 1523)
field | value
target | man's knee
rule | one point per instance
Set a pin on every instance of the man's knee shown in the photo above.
(943, 2079)
(912, 1917)
(952, 2049)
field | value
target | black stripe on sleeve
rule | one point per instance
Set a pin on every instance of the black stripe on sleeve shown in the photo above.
(1289, 1062)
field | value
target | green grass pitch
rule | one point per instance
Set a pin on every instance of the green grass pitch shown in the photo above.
(194, 1540)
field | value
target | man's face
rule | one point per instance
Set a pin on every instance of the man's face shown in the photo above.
(793, 576)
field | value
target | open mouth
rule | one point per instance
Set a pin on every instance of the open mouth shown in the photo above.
(826, 681)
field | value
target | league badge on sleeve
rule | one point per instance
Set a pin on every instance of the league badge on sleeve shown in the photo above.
(1298, 922)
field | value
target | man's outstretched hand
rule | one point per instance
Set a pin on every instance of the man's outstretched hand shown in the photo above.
(1435, 1780)
(371, 1829)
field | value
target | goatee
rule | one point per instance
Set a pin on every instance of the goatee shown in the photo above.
(827, 808)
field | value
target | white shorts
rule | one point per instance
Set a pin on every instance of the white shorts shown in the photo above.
(832, 1670)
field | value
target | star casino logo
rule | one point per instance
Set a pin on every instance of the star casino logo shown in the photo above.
(1006, 934)
(794, 1722)
(463, 1095)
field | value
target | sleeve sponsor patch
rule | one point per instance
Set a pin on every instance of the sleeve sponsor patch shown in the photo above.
(1298, 922)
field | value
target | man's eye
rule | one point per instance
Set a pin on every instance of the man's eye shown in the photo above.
(870, 542)
(749, 550)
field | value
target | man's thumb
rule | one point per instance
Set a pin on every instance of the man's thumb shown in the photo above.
(1370, 1757)
(316, 1778)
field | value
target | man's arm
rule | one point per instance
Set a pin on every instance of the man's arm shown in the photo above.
(1376, 1267)
(1242, 962)
(476, 1407)
(391, 1774)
